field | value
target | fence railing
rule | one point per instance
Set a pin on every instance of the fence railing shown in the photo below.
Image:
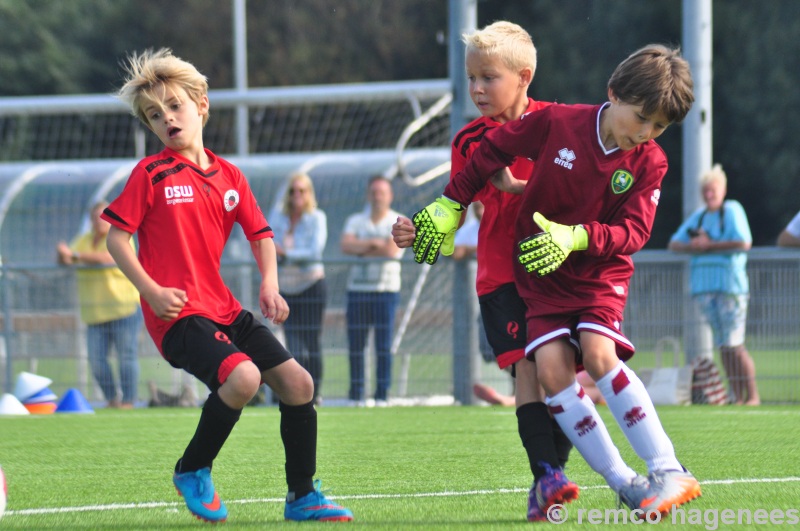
(42, 332)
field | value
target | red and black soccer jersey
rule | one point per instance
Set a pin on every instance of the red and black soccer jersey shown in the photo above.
(184, 216)
(496, 256)
(575, 181)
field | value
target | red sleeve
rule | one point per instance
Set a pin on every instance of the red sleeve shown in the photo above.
(499, 147)
(127, 211)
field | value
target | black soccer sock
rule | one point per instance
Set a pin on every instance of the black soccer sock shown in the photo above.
(216, 423)
(299, 435)
(536, 433)
(562, 442)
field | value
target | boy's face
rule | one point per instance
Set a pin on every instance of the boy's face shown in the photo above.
(626, 126)
(176, 119)
(497, 91)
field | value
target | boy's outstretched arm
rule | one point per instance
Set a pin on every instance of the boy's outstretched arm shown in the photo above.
(436, 224)
(272, 304)
(166, 303)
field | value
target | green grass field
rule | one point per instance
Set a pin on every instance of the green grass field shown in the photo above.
(396, 468)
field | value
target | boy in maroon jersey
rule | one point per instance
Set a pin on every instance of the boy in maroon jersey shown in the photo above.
(593, 193)
(183, 203)
(500, 63)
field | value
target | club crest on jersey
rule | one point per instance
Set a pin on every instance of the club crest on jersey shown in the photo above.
(621, 181)
(231, 199)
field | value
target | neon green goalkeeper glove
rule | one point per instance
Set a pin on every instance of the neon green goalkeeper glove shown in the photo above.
(543, 253)
(436, 226)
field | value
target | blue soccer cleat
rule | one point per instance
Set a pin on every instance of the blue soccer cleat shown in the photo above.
(534, 513)
(200, 496)
(554, 488)
(315, 506)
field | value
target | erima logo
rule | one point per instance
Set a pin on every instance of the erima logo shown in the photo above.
(634, 416)
(179, 194)
(565, 158)
(585, 425)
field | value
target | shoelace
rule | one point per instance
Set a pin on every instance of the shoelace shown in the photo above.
(200, 485)
(319, 492)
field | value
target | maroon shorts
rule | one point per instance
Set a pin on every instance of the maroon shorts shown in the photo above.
(547, 323)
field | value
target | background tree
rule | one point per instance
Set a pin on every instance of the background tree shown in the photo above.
(70, 47)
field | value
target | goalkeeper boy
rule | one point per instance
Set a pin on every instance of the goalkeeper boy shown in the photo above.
(588, 206)
(500, 64)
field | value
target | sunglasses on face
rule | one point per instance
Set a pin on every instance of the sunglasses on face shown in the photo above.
(293, 191)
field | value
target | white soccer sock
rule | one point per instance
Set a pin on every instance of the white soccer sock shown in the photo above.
(634, 411)
(578, 418)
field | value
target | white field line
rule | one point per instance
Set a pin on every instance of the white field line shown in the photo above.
(155, 505)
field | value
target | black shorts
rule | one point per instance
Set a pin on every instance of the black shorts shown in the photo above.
(503, 314)
(210, 351)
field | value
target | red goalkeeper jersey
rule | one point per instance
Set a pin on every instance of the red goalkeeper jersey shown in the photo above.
(614, 194)
(496, 241)
(184, 216)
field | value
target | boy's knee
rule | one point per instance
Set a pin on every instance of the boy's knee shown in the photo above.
(291, 382)
(304, 385)
(243, 381)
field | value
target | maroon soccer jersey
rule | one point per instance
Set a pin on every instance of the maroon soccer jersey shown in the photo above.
(184, 216)
(613, 194)
(496, 241)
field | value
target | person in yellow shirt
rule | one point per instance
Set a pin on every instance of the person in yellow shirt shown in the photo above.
(110, 308)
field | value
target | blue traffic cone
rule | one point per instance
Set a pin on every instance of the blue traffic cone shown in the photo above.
(74, 402)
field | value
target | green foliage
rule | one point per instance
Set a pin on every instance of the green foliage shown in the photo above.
(64, 47)
(396, 468)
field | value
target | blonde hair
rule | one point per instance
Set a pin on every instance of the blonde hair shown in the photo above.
(304, 179)
(506, 41)
(657, 78)
(152, 70)
(716, 173)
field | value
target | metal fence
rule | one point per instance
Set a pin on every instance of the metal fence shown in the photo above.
(43, 334)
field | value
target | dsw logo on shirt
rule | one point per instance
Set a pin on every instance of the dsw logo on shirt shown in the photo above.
(179, 194)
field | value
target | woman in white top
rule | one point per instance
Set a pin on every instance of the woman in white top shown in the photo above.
(301, 231)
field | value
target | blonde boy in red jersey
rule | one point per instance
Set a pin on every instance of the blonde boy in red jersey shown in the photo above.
(500, 63)
(183, 203)
(594, 192)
